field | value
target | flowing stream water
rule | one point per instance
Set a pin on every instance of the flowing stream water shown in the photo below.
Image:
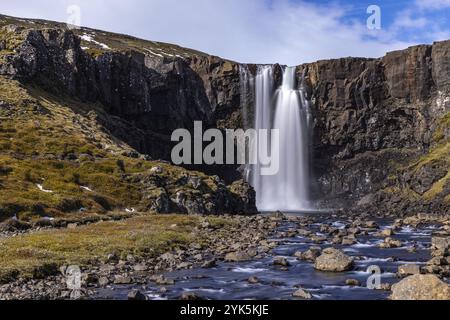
(229, 281)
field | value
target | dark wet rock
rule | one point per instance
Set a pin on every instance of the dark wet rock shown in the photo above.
(387, 233)
(120, 279)
(333, 260)
(162, 281)
(190, 296)
(184, 265)
(304, 232)
(310, 255)
(353, 283)
(103, 281)
(136, 295)
(437, 261)
(140, 268)
(384, 287)
(209, 264)
(421, 287)
(302, 294)
(253, 280)
(348, 241)
(371, 225)
(318, 239)
(390, 243)
(239, 256)
(441, 244)
(281, 261)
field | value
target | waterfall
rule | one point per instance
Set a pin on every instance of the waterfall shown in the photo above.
(287, 110)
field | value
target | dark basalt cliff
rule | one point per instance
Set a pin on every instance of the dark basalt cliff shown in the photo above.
(382, 129)
(155, 92)
(381, 138)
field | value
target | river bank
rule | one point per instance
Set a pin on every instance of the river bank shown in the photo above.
(260, 257)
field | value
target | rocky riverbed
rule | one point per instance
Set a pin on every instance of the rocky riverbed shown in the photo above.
(311, 256)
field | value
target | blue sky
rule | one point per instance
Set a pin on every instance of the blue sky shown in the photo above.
(259, 31)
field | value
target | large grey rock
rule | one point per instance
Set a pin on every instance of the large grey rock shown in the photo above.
(408, 269)
(421, 287)
(302, 294)
(136, 295)
(239, 256)
(333, 260)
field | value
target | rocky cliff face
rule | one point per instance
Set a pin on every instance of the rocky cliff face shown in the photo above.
(381, 137)
(110, 103)
(157, 88)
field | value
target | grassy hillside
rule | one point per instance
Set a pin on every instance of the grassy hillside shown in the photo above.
(56, 158)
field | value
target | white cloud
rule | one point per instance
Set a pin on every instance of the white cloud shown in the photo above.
(406, 19)
(432, 4)
(261, 31)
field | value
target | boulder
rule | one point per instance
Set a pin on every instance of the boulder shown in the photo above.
(209, 264)
(421, 287)
(103, 281)
(387, 233)
(310, 255)
(390, 243)
(190, 296)
(136, 295)
(238, 256)
(253, 280)
(408, 270)
(440, 244)
(281, 261)
(302, 294)
(333, 260)
(119, 279)
(353, 283)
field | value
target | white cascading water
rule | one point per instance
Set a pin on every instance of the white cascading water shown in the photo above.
(287, 110)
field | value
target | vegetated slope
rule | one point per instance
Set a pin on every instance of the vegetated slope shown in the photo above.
(61, 152)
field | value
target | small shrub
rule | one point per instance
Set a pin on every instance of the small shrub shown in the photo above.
(69, 205)
(14, 225)
(27, 176)
(121, 164)
(103, 202)
(76, 178)
(4, 171)
(8, 276)
(46, 270)
(37, 209)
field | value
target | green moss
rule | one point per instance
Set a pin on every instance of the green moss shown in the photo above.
(144, 236)
(437, 188)
(95, 53)
(440, 153)
(444, 125)
(447, 200)
(405, 193)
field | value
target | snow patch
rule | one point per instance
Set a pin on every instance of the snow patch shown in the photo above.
(40, 187)
(90, 38)
(154, 53)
